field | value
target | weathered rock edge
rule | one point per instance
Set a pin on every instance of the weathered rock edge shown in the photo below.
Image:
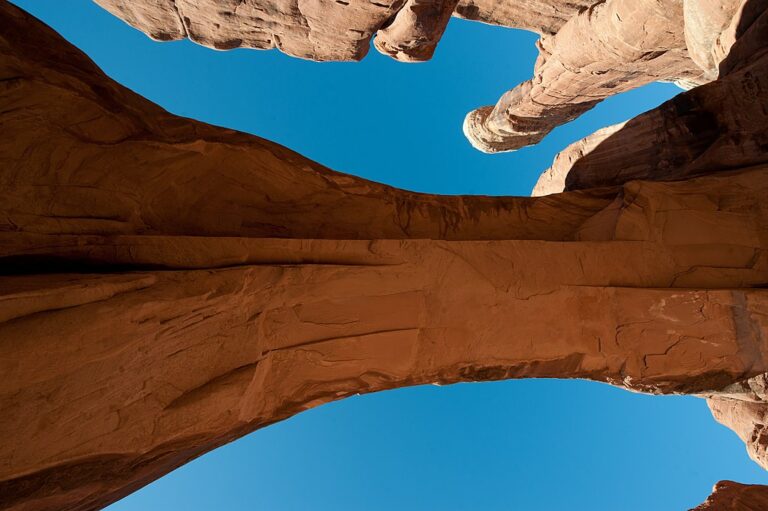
(588, 50)
(717, 126)
(731, 496)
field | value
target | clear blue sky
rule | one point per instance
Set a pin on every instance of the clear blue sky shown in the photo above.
(535, 445)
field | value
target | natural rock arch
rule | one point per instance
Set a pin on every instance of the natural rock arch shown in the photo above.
(177, 285)
(468, 445)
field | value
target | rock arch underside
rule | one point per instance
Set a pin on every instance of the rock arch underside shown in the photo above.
(167, 286)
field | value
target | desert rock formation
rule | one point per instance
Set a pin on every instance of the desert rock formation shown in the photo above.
(611, 47)
(731, 496)
(332, 29)
(717, 126)
(168, 286)
(589, 49)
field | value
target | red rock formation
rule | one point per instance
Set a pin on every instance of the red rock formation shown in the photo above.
(611, 47)
(730, 496)
(718, 126)
(589, 49)
(743, 407)
(413, 33)
(553, 179)
(332, 29)
(169, 286)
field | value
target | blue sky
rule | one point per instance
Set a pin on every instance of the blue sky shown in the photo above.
(535, 445)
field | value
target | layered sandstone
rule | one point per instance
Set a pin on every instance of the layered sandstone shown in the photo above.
(169, 286)
(718, 126)
(332, 29)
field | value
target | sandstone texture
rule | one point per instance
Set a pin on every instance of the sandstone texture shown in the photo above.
(332, 29)
(731, 496)
(553, 179)
(743, 407)
(611, 47)
(589, 49)
(718, 126)
(167, 286)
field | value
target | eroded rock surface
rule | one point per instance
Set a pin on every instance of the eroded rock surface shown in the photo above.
(718, 126)
(589, 49)
(553, 179)
(169, 286)
(332, 29)
(731, 496)
(743, 407)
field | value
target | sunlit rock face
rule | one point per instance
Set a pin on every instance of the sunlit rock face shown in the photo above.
(332, 29)
(589, 49)
(611, 47)
(743, 407)
(718, 126)
(168, 286)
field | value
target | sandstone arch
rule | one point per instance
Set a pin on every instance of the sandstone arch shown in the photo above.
(168, 285)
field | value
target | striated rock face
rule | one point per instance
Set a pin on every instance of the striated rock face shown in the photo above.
(332, 29)
(743, 407)
(553, 179)
(610, 47)
(589, 49)
(168, 286)
(718, 126)
(730, 496)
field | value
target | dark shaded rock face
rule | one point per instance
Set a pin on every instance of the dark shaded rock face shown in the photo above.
(168, 286)
(730, 496)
